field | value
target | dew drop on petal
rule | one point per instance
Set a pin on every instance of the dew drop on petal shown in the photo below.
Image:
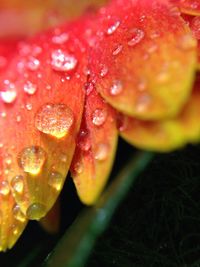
(117, 50)
(55, 180)
(113, 28)
(9, 94)
(36, 211)
(78, 167)
(137, 36)
(29, 106)
(32, 159)
(60, 38)
(143, 102)
(101, 152)
(33, 63)
(99, 117)
(54, 119)
(62, 61)
(30, 88)
(17, 184)
(4, 188)
(116, 88)
(104, 70)
(187, 42)
(17, 213)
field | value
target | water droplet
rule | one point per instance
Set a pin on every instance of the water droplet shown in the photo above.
(32, 159)
(9, 94)
(99, 117)
(29, 106)
(104, 70)
(17, 213)
(137, 36)
(113, 28)
(117, 50)
(18, 118)
(78, 167)
(33, 63)
(30, 88)
(101, 152)
(17, 184)
(56, 180)
(4, 188)
(8, 159)
(14, 229)
(62, 61)
(3, 114)
(63, 158)
(36, 211)
(54, 119)
(143, 102)
(60, 38)
(116, 88)
(187, 42)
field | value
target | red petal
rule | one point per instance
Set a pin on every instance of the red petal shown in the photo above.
(144, 59)
(95, 149)
(191, 7)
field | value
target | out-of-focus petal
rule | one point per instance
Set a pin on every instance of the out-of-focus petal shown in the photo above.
(191, 7)
(96, 145)
(168, 134)
(144, 59)
(41, 103)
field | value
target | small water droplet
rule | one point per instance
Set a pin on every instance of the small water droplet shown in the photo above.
(30, 88)
(113, 28)
(18, 118)
(116, 88)
(104, 70)
(4, 188)
(60, 38)
(17, 184)
(137, 36)
(54, 119)
(99, 117)
(63, 158)
(32, 159)
(29, 106)
(56, 180)
(8, 159)
(17, 213)
(84, 141)
(117, 50)
(62, 61)
(33, 63)
(3, 114)
(101, 152)
(9, 94)
(36, 211)
(78, 167)
(143, 102)
(187, 42)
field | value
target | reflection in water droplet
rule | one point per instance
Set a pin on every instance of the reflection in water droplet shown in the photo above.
(54, 119)
(116, 88)
(99, 117)
(30, 88)
(9, 94)
(17, 184)
(101, 152)
(32, 159)
(4, 188)
(137, 36)
(36, 211)
(56, 180)
(62, 61)
(17, 213)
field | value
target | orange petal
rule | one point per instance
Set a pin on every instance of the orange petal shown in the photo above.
(41, 103)
(144, 59)
(191, 7)
(96, 147)
(168, 134)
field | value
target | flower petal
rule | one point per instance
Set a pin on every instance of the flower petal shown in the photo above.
(168, 134)
(41, 108)
(191, 7)
(96, 147)
(144, 58)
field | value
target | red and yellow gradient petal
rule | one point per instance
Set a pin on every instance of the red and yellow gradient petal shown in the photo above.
(144, 59)
(96, 147)
(168, 134)
(191, 7)
(41, 106)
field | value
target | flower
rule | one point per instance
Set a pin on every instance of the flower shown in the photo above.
(129, 68)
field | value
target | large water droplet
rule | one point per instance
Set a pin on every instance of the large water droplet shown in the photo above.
(9, 94)
(4, 188)
(32, 159)
(17, 184)
(116, 88)
(30, 88)
(56, 180)
(99, 117)
(54, 119)
(36, 211)
(62, 61)
(17, 213)
(101, 152)
(137, 36)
